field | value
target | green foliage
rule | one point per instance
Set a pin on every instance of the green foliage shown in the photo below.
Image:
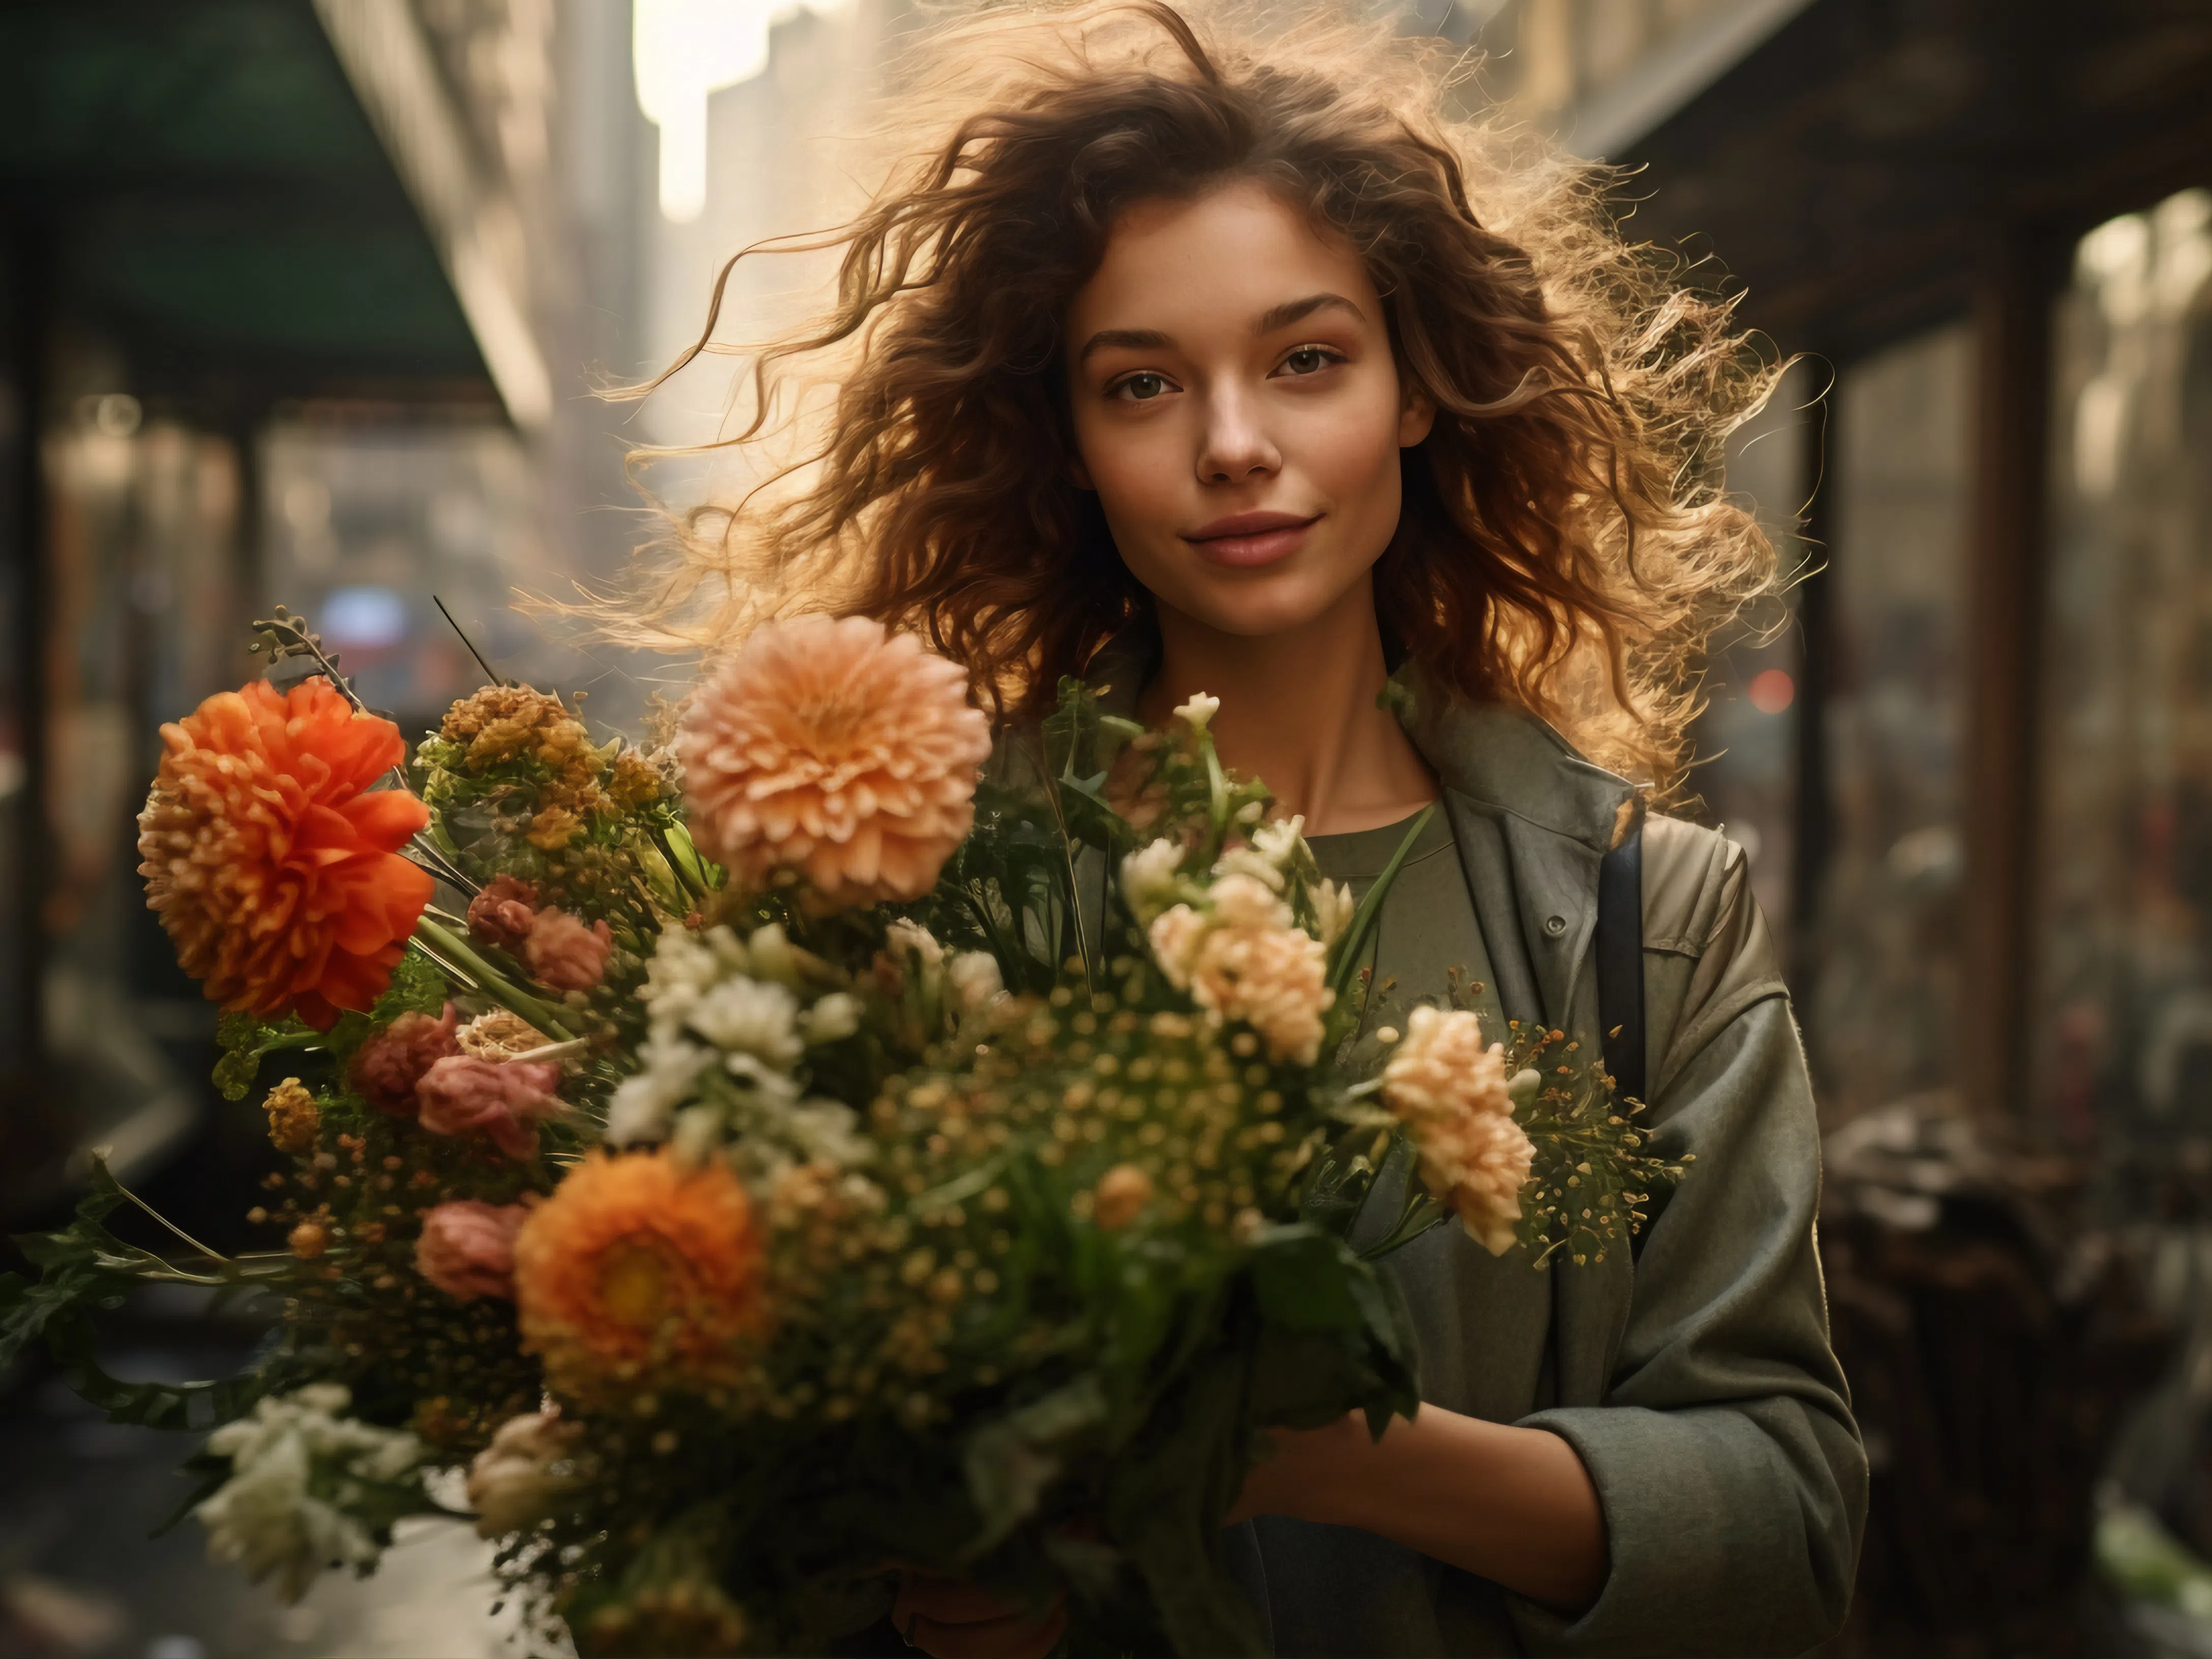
(86, 1270)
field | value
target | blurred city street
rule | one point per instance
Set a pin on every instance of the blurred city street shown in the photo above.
(312, 302)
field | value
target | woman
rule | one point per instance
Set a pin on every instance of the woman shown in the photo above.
(1203, 368)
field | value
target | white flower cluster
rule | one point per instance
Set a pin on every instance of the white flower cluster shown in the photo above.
(297, 1468)
(1152, 879)
(729, 1030)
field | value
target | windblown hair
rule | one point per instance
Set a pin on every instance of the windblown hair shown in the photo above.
(1565, 544)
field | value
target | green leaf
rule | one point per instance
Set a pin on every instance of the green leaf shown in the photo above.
(1009, 1461)
(1303, 1279)
(244, 1039)
(1164, 1503)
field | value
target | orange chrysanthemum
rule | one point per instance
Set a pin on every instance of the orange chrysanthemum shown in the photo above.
(639, 1267)
(836, 751)
(273, 869)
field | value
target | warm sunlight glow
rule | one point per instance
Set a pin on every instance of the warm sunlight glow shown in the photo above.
(684, 51)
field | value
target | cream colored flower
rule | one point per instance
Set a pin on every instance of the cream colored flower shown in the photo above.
(1246, 902)
(832, 750)
(975, 980)
(1198, 710)
(1274, 979)
(832, 1018)
(1175, 935)
(1151, 879)
(1244, 960)
(903, 937)
(1278, 841)
(1251, 862)
(1450, 1090)
(517, 1480)
(1334, 907)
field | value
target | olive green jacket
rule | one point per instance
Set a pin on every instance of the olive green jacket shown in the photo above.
(1694, 1376)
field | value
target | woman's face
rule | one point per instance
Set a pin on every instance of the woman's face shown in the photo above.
(1237, 409)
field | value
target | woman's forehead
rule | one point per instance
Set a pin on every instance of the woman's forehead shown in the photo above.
(1236, 259)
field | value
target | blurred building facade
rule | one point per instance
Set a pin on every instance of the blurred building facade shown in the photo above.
(308, 303)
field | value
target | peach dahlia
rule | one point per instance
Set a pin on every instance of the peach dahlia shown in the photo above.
(835, 752)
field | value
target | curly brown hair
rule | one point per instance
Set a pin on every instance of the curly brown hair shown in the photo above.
(1565, 542)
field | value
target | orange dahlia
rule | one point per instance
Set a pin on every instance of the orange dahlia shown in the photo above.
(272, 867)
(835, 752)
(637, 1268)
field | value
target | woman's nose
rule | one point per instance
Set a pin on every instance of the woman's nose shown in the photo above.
(1235, 444)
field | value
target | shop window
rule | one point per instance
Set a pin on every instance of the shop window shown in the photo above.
(2123, 1036)
(1883, 1009)
(1744, 777)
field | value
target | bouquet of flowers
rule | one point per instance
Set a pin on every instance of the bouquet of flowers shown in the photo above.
(818, 1139)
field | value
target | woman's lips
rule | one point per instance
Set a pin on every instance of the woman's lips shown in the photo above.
(1251, 539)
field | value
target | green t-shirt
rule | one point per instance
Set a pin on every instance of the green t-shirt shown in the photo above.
(1429, 945)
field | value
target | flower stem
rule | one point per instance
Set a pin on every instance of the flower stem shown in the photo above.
(443, 943)
(211, 1256)
(1353, 946)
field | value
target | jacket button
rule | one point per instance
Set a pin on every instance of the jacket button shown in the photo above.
(1555, 926)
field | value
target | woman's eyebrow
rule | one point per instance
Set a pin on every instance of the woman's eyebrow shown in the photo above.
(1296, 310)
(1139, 340)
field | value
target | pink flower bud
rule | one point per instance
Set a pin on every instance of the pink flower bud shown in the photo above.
(565, 954)
(467, 1248)
(502, 914)
(504, 1099)
(389, 1064)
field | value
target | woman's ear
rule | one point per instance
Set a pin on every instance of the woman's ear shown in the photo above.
(1079, 474)
(1417, 418)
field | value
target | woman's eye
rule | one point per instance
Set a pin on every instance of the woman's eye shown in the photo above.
(1309, 359)
(1142, 388)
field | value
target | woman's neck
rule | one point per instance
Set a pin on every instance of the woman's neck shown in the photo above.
(1299, 709)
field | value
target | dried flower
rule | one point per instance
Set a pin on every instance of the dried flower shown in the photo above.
(502, 914)
(552, 828)
(637, 1266)
(293, 1120)
(565, 954)
(386, 1068)
(503, 1099)
(467, 1247)
(837, 752)
(514, 1483)
(273, 865)
(635, 781)
(1450, 1090)
(309, 1240)
(1121, 1196)
(500, 1034)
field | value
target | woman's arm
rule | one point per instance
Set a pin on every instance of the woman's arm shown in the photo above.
(1514, 1506)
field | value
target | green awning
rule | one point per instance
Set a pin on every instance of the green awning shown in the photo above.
(207, 189)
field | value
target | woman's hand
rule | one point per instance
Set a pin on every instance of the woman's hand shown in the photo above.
(1514, 1506)
(954, 1619)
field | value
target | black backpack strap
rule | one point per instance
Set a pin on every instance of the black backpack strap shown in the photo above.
(1620, 948)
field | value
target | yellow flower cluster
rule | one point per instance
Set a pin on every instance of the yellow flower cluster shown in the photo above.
(504, 723)
(293, 1120)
